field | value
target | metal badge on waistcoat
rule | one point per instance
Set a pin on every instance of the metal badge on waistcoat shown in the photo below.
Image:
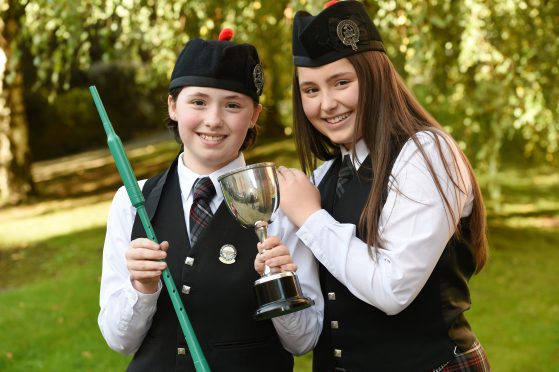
(348, 33)
(227, 254)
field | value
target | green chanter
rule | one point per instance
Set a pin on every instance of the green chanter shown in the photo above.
(137, 200)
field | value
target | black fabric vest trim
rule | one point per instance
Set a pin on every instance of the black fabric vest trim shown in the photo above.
(221, 301)
(416, 339)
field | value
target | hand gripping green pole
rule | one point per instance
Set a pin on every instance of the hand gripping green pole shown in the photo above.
(137, 200)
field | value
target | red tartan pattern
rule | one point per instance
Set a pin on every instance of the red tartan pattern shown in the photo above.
(473, 360)
(200, 213)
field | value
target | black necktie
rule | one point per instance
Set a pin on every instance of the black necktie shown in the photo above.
(344, 175)
(200, 213)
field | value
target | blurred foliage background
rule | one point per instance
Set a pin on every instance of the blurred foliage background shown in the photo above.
(486, 69)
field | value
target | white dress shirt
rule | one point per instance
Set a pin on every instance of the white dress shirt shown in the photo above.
(414, 225)
(126, 314)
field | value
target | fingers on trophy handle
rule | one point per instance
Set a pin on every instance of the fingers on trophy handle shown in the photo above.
(261, 228)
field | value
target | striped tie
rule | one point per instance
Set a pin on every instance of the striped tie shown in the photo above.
(200, 213)
(344, 175)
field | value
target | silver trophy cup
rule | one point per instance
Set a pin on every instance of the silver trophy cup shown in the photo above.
(252, 195)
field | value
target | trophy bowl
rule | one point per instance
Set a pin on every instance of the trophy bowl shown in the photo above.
(252, 195)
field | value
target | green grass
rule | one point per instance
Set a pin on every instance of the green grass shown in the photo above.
(49, 308)
(50, 266)
(516, 308)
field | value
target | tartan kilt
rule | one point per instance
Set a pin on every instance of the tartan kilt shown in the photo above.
(472, 360)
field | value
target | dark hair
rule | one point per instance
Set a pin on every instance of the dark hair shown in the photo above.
(173, 125)
(388, 115)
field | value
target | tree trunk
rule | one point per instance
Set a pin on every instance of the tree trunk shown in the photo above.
(15, 158)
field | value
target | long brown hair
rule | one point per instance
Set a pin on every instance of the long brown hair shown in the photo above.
(388, 115)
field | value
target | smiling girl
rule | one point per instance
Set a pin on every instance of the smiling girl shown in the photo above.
(397, 220)
(213, 107)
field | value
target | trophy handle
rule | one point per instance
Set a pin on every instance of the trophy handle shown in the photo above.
(261, 229)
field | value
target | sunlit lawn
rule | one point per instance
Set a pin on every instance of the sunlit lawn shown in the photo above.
(50, 265)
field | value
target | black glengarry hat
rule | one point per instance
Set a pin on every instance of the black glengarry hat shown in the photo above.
(342, 29)
(219, 64)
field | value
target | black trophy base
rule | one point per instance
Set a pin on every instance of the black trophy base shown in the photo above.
(279, 294)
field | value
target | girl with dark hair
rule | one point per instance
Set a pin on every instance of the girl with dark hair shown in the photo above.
(397, 220)
(213, 106)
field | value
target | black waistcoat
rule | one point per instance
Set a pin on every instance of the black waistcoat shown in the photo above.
(421, 337)
(221, 300)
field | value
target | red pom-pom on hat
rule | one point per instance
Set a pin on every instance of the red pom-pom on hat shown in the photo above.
(226, 34)
(331, 2)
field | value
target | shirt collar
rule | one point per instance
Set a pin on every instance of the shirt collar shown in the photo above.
(361, 151)
(187, 177)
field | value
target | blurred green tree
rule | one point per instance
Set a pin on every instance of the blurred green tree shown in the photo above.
(67, 36)
(487, 70)
(488, 67)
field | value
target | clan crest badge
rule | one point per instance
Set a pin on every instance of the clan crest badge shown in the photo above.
(348, 33)
(258, 77)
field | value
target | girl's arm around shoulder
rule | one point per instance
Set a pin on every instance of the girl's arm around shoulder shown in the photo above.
(415, 228)
(125, 314)
(299, 331)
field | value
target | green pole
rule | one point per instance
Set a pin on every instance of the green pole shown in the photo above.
(137, 200)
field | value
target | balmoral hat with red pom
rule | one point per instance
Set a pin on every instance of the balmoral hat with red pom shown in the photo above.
(343, 28)
(219, 64)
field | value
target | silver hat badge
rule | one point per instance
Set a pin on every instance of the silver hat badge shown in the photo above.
(348, 33)
(258, 77)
